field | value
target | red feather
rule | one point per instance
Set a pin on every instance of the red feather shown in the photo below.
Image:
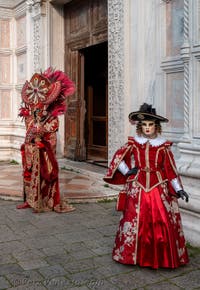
(67, 85)
(24, 112)
(59, 110)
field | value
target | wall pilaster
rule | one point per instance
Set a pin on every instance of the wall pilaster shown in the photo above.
(39, 34)
(116, 80)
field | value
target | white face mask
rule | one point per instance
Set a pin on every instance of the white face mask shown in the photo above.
(149, 129)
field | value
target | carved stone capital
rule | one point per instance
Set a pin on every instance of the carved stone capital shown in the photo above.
(34, 4)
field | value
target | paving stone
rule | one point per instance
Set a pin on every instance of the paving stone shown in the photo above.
(8, 234)
(7, 259)
(108, 231)
(33, 264)
(28, 255)
(166, 285)
(106, 242)
(78, 288)
(85, 277)
(102, 250)
(39, 243)
(53, 250)
(37, 286)
(52, 271)
(58, 283)
(113, 269)
(81, 236)
(4, 284)
(59, 259)
(102, 260)
(137, 278)
(74, 247)
(9, 269)
(79, 266)
(101, 284)
(79, 255)
(170, 273)
(188, 281)
(10, 246)
(27, 278)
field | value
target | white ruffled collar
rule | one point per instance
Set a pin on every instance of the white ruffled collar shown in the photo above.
(154, 142)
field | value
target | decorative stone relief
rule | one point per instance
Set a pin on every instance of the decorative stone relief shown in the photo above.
(37, 9)
(115, 75)
(36, 45)
(36, 4)
(185, 55)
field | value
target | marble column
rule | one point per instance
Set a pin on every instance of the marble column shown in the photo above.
(38, 35)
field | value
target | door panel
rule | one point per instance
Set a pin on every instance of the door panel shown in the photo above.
(85, 26)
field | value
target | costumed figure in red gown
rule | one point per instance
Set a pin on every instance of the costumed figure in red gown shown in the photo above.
(150, 231)
(43, 99)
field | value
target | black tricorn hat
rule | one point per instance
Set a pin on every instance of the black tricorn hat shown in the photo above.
(146, 112)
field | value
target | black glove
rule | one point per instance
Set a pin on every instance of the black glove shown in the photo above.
(133, 170)
(181, 193)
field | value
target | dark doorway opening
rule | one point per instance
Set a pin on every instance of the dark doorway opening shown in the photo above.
(96, 101)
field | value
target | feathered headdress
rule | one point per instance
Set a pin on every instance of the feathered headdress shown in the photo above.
(47, 90)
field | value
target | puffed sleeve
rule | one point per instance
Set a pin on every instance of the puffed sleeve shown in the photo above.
(113, 175)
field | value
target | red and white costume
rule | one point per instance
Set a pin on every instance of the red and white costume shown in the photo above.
(150, 230)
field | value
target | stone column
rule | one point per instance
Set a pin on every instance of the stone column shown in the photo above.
(115, 75)
(38, 35)
(185, 55)
(188, 164)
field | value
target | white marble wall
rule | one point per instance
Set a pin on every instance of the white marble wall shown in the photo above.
(31, 35)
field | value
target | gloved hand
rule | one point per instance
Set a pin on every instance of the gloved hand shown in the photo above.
(133, 170)
(181, 193)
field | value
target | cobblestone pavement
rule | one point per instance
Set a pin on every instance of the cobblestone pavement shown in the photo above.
(73, 251)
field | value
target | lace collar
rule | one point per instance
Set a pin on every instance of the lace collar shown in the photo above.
(154, 142)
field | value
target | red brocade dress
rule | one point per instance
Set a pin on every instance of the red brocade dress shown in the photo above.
(150, 231)
(40, 167)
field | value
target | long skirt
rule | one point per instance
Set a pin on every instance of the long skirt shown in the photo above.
(150, 231)
(41, 186)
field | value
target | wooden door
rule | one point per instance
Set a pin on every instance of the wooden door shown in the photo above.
(85, 26)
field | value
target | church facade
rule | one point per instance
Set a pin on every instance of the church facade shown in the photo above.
(119, 53)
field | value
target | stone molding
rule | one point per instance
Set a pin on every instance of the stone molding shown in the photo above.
(6, 13)
(20, 10)
(172, 64)
(115, 75)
